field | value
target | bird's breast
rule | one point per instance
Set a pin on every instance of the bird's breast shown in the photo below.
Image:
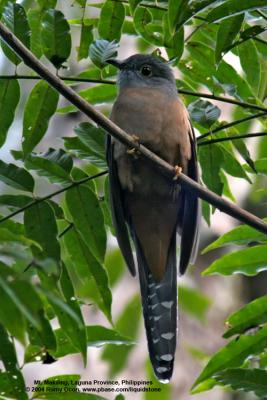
(152, 116)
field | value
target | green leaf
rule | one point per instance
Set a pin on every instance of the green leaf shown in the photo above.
(227, 32)
(115, 266)
(180, 11)
(246, 380)
(133, 4)
(13, 373)
(261, 166)
(80, 150)
(234, 7)
(242, 235)
(93, 138)
(204, 112)
(250, 62)
(16, 177)
(95, 95)
(33, 310)
(90, 277)
(97, 336)
(34, 17)
(247, 262)
(6, 384)
(15, 200)
(241, 147)
(88, 219)
(143, 24)
(211, 160)
(202, 64)
(68, 292)
(102, 50)
(71, 322)
(251, 315)
(9, 98)
(40, 225)
(193, 302)
(111, 19)
(55, 36)
(40, 107)
(85, 41)
(232, 355)
(206, 211)
(7, 236)
(174, 44)
(44, 4)
(54, 164)
(117, 356)
(11, 315)
(15, 18)
(3, 4)
(226, 187)
(231, 165)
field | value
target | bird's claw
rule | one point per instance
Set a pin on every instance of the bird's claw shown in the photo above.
(177, 172)
(134, 151)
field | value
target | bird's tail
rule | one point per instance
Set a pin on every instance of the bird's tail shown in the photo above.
(159, 301)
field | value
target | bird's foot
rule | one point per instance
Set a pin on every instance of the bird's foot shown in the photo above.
(177, 172)
(134, 150)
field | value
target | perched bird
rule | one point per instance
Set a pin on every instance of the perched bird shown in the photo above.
(147, 207)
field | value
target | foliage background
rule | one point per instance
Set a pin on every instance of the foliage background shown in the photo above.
(61, 304)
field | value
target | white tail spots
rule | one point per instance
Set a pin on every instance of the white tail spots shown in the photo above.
(152, 295)
(166, 357)
(167, 304)
(167, 336)
(155, 340)
(162, 369)
(157, 318)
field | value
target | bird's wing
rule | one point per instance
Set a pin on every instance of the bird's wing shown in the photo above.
(117, 209)
(190, 214)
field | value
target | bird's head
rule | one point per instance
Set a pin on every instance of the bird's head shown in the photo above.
(143, 70)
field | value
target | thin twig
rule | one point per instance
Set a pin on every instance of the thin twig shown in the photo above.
(261, 14)
(236, 137)
(191, 34)
(65, 230)
(223, 99)
(226, 126)
(126, 139)
(260, 40)
(49, 196)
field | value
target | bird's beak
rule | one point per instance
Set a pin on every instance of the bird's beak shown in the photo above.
(118, 64)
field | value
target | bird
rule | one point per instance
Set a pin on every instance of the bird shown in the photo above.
(152, 213)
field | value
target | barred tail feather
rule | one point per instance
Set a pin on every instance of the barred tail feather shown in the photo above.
(159, 301)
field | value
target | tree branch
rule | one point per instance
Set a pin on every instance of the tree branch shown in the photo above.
(226, 126)
(223, 99)
(236, 137)
(189, 184)
(49, 196)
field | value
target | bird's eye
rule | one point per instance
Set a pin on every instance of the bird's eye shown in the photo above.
(146, 70)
